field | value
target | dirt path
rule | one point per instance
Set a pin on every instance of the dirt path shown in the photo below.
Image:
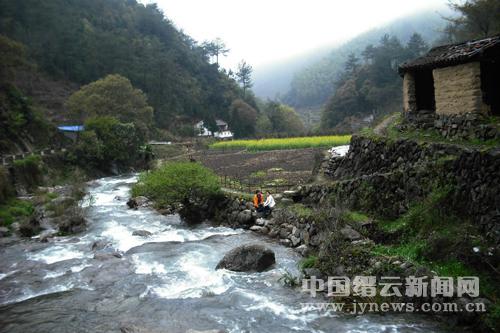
(381, 128)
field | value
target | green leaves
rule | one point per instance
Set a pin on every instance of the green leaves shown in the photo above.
(113, 96)
(176, 182)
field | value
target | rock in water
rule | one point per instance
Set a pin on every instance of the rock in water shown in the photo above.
(248, 258)
(142, 233)
(137, 202)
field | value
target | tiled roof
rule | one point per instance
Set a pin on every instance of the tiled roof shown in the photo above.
(449, 55)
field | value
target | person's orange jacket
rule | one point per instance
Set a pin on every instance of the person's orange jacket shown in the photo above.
(256, 201)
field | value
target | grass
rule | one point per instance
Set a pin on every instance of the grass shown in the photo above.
(284, 143)
(14, 209)
(301, 211)
(431, 135)
(410, 251)
(355, 217)
(308, 262)
(258, 174)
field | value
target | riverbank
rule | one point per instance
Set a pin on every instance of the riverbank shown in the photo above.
(106, 279)
(395, 207)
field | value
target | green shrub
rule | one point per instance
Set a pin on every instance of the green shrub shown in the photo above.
(28, 171)
(14, 209)
(289, 280)
(176, 182)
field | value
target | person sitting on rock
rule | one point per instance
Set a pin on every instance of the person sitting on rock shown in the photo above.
(258, 201)
(269, 204)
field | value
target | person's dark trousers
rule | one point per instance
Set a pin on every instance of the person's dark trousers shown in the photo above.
(267, 211)
(260, 209)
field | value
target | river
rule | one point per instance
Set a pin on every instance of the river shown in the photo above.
(163, 283)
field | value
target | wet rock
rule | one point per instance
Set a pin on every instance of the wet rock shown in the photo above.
(350, 234)
(248, 258)
(4, 232)
(46, 235)
(137, 202)
(99, 245)
(206, 331)
(256, 228)
(29, 228)
(286, 242)
(72, 224)
(315, 240)
(308, 272)
(142, 233)
(302, 249)
(245, 217)
(260, 221)
(274, 233)
(107, 255)
(295, 240)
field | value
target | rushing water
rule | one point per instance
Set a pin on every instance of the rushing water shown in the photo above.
(164, 283)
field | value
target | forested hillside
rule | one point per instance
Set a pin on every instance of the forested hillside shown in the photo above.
(313, 85)
(83, 41)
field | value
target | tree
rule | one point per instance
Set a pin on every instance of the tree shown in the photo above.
(107, 142)
(416, 46)
(284, 120)
(243, 118)
(478, 19)
(352, 63)
(12, 54)
(215, 48)
(244, 75)
(83, 41)
(112, 96)
(263, 126)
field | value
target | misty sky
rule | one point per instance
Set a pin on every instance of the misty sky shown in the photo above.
(265, 31)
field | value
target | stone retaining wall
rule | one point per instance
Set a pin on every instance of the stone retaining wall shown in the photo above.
(467, 126)
(386, 176)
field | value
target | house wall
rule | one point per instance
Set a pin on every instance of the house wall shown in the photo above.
(458, 89)
(409, 98)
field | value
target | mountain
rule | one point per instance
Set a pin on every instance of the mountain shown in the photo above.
(82, 41)
(306, 82)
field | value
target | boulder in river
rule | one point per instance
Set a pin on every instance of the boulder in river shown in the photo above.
(107, 255)
(248, 258)
(137, 202)
(142, 233)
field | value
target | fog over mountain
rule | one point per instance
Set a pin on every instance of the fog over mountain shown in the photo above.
(273, 80)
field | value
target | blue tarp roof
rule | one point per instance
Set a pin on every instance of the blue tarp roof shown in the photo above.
(76, 128)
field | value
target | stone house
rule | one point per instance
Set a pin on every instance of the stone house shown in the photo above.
(453, 81)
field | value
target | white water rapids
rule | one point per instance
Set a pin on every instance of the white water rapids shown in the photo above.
(163, 283)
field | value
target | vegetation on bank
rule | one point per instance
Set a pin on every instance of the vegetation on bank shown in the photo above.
(428, 235)
(393, 132)
(13, 210)
(284, 143)
(177, 182)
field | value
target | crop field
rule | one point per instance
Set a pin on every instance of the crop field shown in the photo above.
(284, 143)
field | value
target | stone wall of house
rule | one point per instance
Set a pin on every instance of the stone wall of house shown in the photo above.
(458, 89)
(386, 176)
(409, 98)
